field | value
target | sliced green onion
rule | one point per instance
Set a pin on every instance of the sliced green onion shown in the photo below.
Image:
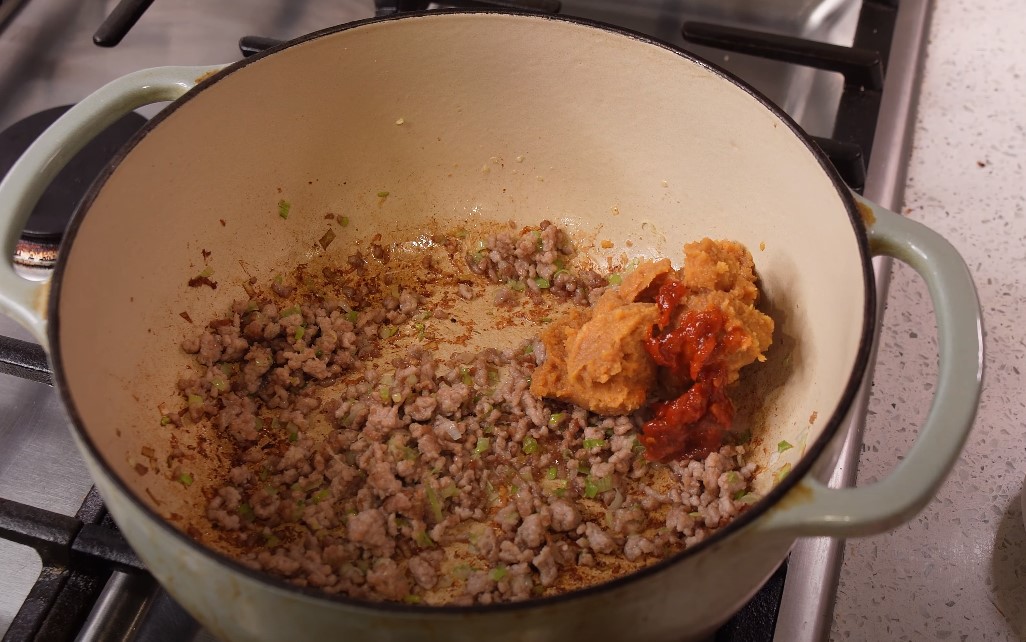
(462, 571)
(784, 446)
(450, 490)
(695, 514)
(294, 436)
(733, 477)
(434, 503)
(498, 573)
(195, 401)
(748, 498)
(287, 312)
(219, 383)
(555, 487)
(351, 316)
(493, 375)
(467, 379)
(556, 418)
(529, 348)
(419, 327)
(207, 271)
(283, 208)
(382, 194)
(272, 540)
(530, 445)
(614, 279)
(593, 487)
(320, 495)
(299, 333)
(412, 599)
(384, 393)
(542, 283)
(780, 474)
(165, 420)
(246, 511)
(483, 444)
(423, 539)
(515, 285)
(551, 472)
(343, 221)
(638, 447)
(186, 479)
(387, 331)
(595, 443)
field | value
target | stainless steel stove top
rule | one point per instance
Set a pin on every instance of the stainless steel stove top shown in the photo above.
(50, 60)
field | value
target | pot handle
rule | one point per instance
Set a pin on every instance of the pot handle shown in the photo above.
(812, 509)
(26, 301)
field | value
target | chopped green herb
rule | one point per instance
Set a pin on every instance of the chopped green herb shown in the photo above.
(294, 436)
(165, 420)
(384, 393)
(555, 487)
(195, 401)
(483, 444)
(387, 331)
(343, 221)
(545, 320)
(593, 487)
(434, 503)
(246, 511)
(186, 479)
(287, 312)
(450, 490)
(614, 279)
(498, 573)
(529, 348)
(207, 271)
(493, 375)
(283, 208)
(299, 333)
(412, 599)
(423, 539)
(551, 472)
(515, 285)
(382, 194)
(320, 495)
(530, 445)
(465, 375)
(739, 494)
(638, 447)
(783, 472)
(595, 443)
(555, 418)
(695, 514)
(784, 446)
(542, 283)
(749, 498)
(351, 316)
(219, 384)
(271, 540)
(733, 477)
(462, 571)
(419, 327)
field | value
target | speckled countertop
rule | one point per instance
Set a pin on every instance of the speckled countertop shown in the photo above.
(957, 571)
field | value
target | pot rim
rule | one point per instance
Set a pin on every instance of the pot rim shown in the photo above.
(748, 517)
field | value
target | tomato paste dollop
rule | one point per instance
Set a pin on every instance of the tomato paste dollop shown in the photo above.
(692, 350)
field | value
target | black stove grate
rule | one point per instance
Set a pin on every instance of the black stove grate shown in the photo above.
(81, 553)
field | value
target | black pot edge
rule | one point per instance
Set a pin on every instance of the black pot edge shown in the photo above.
(813, 452)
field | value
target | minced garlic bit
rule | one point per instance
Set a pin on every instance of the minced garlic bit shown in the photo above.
(665, 183)
(400, 121)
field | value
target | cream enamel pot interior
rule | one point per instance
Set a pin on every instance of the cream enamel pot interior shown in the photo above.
(503, 116)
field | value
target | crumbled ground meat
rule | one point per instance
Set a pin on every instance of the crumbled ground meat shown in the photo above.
(430, 479)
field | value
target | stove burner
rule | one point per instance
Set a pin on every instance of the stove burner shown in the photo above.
(45, 227)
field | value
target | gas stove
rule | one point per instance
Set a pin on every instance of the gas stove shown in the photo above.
(846, 71)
